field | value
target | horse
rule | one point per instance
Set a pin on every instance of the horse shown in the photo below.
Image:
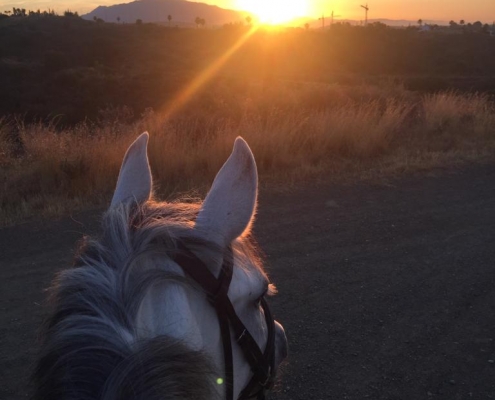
(168, 302)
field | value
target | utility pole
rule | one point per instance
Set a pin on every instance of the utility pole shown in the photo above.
(366, 8)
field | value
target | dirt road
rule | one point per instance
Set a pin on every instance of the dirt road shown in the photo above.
(386, 292)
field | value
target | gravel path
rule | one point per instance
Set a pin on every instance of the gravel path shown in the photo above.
(386, 292)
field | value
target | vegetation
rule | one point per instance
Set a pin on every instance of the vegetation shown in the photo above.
(351, 102)
(296, 131)
(71, 68)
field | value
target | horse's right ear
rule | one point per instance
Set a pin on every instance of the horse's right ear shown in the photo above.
(134, 182)
(230, 205)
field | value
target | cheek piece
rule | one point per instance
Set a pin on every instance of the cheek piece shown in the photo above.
(261, 362)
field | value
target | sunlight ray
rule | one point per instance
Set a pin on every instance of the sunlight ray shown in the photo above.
(197, 83)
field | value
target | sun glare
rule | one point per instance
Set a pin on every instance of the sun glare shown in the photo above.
(275, 11)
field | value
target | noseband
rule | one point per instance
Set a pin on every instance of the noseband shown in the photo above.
(261, 362)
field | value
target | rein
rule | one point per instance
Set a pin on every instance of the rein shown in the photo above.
(261, 362)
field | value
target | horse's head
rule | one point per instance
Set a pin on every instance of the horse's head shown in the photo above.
(214, 236)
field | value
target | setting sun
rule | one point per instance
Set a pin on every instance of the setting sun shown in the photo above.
(275, 11)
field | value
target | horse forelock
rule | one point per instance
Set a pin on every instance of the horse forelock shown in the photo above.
(91, 349)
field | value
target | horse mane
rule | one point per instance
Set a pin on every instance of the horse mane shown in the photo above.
(90, 345)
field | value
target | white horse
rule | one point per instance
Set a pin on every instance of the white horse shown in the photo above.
(169, 302)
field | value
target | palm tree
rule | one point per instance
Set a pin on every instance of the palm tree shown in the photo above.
(169, 19)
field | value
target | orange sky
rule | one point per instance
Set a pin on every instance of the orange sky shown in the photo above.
(470, 10)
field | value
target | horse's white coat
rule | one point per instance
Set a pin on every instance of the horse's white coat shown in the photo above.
(230, 205)
(227, 212)
(134, 180)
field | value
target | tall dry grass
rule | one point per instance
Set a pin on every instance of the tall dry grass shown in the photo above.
(295, 131)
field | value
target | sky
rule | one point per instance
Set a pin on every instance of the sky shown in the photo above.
(445, 10)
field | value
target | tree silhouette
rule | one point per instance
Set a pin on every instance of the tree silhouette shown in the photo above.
(200, 22)
(67, 13)
(169, 19)
(306, 25)
(477, 26)
(249, 19)
(462, 22)
(420, 22)
(18, 12)
(118, 19)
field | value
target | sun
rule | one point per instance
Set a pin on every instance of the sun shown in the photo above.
(275, 11)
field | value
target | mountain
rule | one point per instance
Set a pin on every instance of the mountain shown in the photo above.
(183, 12)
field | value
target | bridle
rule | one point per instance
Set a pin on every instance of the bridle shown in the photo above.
(261, 362)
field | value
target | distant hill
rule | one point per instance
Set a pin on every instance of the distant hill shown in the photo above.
(316, 23)
(183, 13)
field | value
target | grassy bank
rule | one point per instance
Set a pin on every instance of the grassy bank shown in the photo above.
(295, 131)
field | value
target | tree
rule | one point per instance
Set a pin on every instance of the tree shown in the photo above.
(200, 22)
(306, 25)
(118, 19)
(477, 26)
(18, 12)
(69, 13)
(420, 22)
(139, 21)
(249, 19)
(169, 19)
(462, 22)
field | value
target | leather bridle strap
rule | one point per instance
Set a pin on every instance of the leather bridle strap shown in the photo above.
(261, 363)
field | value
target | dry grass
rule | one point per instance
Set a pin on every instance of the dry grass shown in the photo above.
(295, 131)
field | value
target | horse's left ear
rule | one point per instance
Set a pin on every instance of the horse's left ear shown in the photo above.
(230, 205)
(134, 182)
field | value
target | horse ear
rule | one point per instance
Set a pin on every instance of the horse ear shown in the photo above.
(230, 205)
(134, 182)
